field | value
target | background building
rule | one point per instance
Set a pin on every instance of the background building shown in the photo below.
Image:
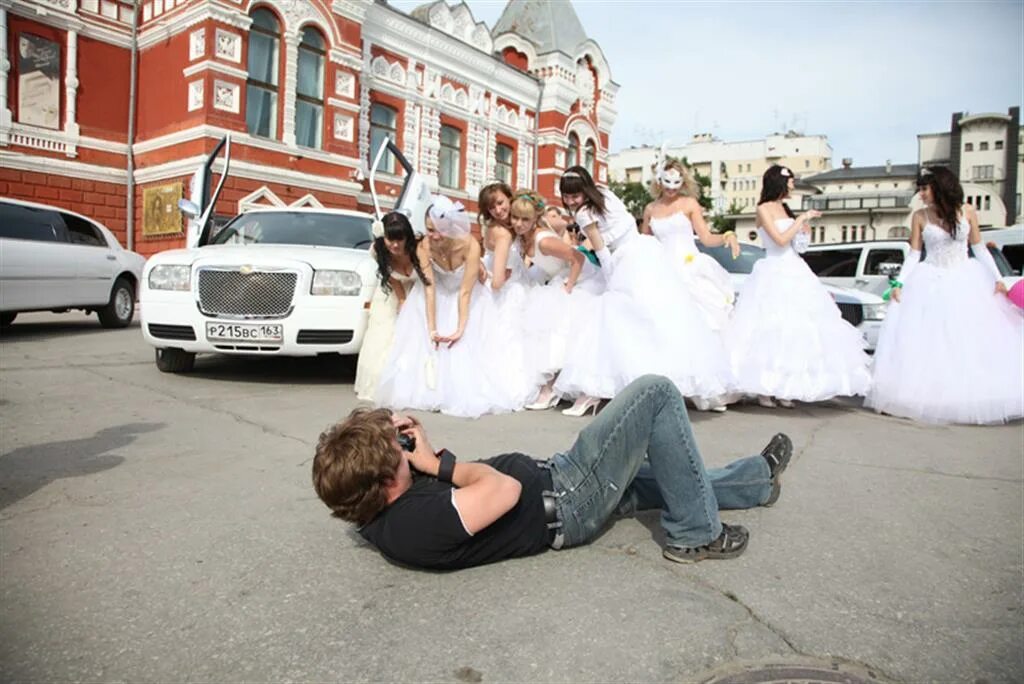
(305, 87)
(985, 151)
(735, 168)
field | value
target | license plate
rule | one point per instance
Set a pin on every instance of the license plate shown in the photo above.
(245, 332)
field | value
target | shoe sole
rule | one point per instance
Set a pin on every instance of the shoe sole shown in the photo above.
(784, 458)
(706, 554)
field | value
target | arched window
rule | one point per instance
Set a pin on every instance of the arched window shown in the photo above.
(264, 65)
(451, 144)
(383, 124)
(503, 163)
(309, 90)
(589, 156)
(572, 155)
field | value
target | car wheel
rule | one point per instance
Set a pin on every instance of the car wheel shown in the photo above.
(7, 317)
(118, 313)
(175, 360)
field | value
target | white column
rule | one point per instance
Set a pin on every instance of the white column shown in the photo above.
(5, 69)
(291, 75)
(71, 93)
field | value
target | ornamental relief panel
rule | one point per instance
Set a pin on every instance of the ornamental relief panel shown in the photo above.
(344, 127)
(196, 44)
(226, 96)
(345, 84)
(228, 45)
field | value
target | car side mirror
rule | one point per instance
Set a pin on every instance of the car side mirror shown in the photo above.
(889, 268)
(189, 208)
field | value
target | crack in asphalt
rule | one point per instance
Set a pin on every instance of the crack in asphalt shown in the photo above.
(924, 471)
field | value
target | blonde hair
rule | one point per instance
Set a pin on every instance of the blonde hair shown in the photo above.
(690, 188)
(528, 200)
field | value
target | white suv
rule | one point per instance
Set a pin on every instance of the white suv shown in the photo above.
(279, 281)
(52, 259)
(863, 310)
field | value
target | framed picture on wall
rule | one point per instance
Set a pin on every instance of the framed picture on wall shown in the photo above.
(38, 81)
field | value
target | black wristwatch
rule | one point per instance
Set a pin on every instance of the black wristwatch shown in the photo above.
(447, 467)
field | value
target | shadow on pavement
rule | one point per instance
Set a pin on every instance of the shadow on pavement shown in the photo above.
(25, 470)
(301, 370)
(32, 330)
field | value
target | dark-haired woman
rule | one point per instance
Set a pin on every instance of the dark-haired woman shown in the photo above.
(394, 249)
(787, 338)
(641, 324)
(951, 349)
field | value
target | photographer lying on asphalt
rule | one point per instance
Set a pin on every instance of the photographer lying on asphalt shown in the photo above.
(422, 509)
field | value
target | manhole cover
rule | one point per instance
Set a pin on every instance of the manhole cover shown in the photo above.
(830, 672)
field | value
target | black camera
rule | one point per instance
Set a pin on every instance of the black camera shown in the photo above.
(573, 227)
(407, 442)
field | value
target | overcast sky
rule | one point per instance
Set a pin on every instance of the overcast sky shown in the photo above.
(869, 75)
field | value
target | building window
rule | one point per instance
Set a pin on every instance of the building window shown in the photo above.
(844, 234)
(572, 155)
(309, 90)
(968, 147)
(503, 164)
(984, 172)
(983, 146)
(38, 81)
(988, 202)
(748, 167)
(999, 144)
(451, 145)
(863, 233)
(807, 163)
(383, 125)
(589, 157)
(636, 175)
(262, 86)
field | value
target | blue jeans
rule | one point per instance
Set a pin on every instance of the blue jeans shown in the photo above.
(640, 454)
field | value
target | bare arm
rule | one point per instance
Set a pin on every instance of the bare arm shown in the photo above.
(645, 222)
(767, 221)
(695, 213)
(502, 243)
(556, 248)
(423, 254)
(594, 235)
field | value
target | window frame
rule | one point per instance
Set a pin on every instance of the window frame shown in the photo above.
(388, 162)
(454, 152)
(252, 83)
(320, 52)
(572, 151)
(510, 165)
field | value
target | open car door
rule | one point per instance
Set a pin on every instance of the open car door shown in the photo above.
(199, 206)
(414, 199)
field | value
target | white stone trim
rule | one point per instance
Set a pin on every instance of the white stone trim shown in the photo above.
(103, 145)
(6, 118)
(291, 79)
(227, 96)
(341, 104)
(346, 58)
(307, 200)
(227, 45)
(62, 167)
(88, 27)
(345, 84)
(210, 65)
(344, 127)
(260, 197)
(196, 95)
(351, 9)
(243, 169)
(159, 31)
(518, 43)
(196, 44)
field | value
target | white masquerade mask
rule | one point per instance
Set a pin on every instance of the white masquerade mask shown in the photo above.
(785, 172)
(450, 218)
(378, 228)
(670, 179)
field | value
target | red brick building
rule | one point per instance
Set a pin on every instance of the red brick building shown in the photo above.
(305, 87)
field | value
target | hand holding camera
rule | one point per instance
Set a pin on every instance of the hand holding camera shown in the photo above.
(413, 440)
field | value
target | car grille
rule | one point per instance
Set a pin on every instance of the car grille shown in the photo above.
(324, 336)
(172, 332)
(854, 313)
(257, 294)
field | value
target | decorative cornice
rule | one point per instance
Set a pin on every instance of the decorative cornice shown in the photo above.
(161, 29)
(346, 58)
(243, 169)
(84, 25)
(341, 104)
(351, 9)
(210, 65)
(62, 167)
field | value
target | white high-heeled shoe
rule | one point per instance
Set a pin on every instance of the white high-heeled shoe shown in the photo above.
(765, 401)
(582, 407)
(544, 404)
(785, 403)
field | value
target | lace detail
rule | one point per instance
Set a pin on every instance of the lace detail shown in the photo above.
(942, 249)
(675, 230)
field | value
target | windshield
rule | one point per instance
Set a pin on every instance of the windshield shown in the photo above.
(744, 263)
(296, 228)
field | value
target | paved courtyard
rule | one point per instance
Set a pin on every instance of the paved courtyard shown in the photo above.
(163, 528)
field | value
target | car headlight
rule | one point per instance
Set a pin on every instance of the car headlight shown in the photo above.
(170, 277)
(336, 283)
(874, 312)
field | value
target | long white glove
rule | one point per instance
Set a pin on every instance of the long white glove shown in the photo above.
(913, 257)
(984, 257)
(604, 255)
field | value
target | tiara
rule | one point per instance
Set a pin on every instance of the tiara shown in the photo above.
(571, 174)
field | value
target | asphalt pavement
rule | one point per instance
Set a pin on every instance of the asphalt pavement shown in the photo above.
(158, 527)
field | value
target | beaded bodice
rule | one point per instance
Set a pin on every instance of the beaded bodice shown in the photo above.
(941, 248)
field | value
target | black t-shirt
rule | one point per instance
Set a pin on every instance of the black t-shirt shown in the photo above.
(422, 528)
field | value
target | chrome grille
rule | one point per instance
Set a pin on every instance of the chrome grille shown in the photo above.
(257, 294)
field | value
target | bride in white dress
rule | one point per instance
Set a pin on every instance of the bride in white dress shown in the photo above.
(567, 286)
(437, 361)
(676, 218)
(394, 250)
(639, 324)
(951, 349)
(787, 337)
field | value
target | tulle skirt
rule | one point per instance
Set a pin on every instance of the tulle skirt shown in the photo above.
(643, 323)
(457, 381)
(708, 285)
(510, 364)
(952, 351)
(788, 339)
(373, 354)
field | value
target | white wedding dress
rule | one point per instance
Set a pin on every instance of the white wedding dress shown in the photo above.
(554, 316)
(640, 324)
(380, 331)
(952, 350)
(787, 337)
(708, 284)
(456, 380)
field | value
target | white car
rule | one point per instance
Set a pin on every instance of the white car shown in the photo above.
(863, 310)
(55, 260)
(277, 281)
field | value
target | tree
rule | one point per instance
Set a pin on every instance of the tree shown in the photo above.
(634, 195)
